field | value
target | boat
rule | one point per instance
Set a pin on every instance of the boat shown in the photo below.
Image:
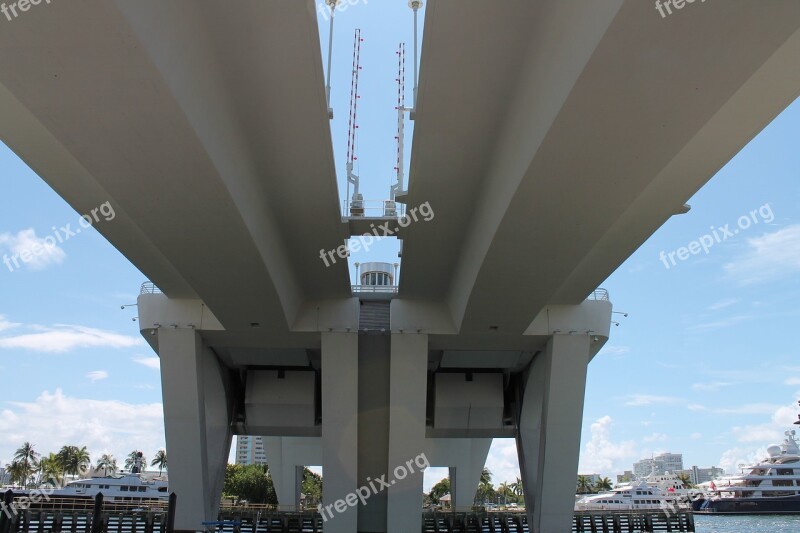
(651, 493)
(770, 486)
(132, 486)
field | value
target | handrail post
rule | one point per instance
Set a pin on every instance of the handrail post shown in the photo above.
(5, 519)
(173, 499)
(97, 514)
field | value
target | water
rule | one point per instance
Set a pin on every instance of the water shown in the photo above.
(747, 524)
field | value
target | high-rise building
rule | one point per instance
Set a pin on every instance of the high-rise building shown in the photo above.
(659, 465)
(701, 475)
(5, 477)
(250, 450)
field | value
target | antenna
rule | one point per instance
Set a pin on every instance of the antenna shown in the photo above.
(415, 5)
(332, 7)
(397, 189)
(357, 201)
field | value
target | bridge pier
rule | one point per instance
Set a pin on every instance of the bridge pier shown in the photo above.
(340, 429)
(549, 431)
(287, 458)
(196, 418)
(408, 379)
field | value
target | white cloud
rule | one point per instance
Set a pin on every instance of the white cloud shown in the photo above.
(792, 381)
(655, 437)
(149, 362)
(732, 458)
(53, 420)
(771, 432)
(28, 250)
(602, 455)
(503, 461)
(696, 407)
(712, 386)
(614, 351)
(5, 324)
(636, 400)
(696, 436)
(719, 324)
(97, 375)
(769, 257)
(63, 338)
(722, 304)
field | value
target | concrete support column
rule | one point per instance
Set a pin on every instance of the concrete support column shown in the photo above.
(408, 385)
(283, 472)
(196, 418)
(340, 430)
(466, 475)
(549, 435)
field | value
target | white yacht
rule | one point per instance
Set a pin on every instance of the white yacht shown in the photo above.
(131, 486)
(654, 492)
(771, 486)
(122, 487)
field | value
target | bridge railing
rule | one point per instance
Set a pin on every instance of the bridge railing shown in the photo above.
(148, 287)
(374, 289)
(599, 295)
(373, 209)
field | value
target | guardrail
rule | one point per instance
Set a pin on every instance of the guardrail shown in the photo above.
(372, 209)
(24, 513)
(148, 287)
(375, 289)
(599, 295)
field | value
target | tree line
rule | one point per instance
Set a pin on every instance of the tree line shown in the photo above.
(505, 494)
(253, 483)
(29, 468)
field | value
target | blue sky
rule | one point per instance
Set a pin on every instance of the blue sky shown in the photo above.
(705, 364)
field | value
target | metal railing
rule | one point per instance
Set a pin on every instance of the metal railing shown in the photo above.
(148, 287)
(375, 289)
(599, 295)
(373, 209)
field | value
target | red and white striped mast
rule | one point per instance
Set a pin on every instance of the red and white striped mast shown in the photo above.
(357, 200)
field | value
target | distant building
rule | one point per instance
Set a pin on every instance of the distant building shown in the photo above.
(625, 477)
(593, 478)
(250, 450)
(5, 477)
(659, 465)
(701, 475)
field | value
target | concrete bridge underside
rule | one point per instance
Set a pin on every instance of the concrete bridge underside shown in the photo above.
(552, 139)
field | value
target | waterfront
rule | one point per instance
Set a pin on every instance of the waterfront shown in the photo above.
(747, 524)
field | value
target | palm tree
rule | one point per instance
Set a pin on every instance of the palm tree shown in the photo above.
(685, 480)
(133, 457)
(107, 462)
(27, 458)
(602, 484)
(160, 461)
(505, 490)
(584, 485)
(74, 460)
(17, 472)
(517, 488)
(50, 469)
